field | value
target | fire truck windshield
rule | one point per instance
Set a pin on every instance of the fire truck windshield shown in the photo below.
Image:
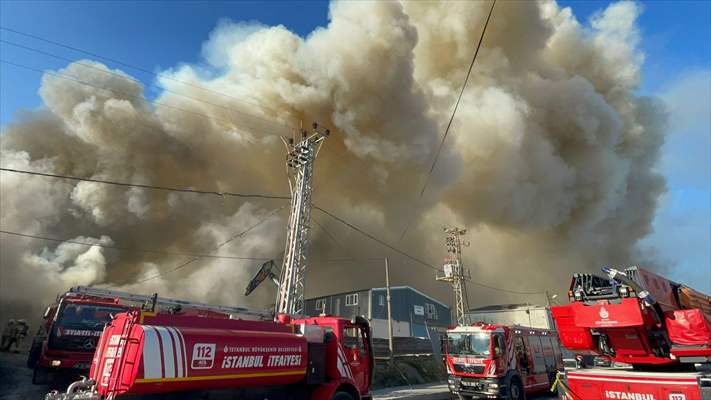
(475, 344)
(79, 326)
(86, 316)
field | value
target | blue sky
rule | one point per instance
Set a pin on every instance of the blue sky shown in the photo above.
(675, 37)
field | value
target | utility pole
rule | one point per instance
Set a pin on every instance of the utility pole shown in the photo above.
(455, 274)
(301, 153)
(390, 314)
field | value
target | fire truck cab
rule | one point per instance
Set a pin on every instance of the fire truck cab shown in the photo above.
(498, 361)
(67, 336)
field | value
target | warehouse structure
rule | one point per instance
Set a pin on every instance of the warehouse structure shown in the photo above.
(414, 313)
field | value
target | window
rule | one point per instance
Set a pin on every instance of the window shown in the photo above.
(353, 339)
(352, 299)
(381, 300)
(430, 311)
(320, 305)
(498, 344)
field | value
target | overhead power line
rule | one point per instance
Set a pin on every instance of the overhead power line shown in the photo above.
(129, 249)
(131, 79)
(413, 258)
(326, 212)
(143, 69)
(375, 239)
(454, 112)
(473, 282)
(171, 253)
(152, 187)
(139, 98)
(232, 238)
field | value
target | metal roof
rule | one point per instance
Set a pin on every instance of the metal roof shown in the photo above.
(382, 288)
(506, 307)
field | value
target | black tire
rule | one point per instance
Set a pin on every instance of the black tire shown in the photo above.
(40, 376)
(342, 396)
(516, 389)
(34, 354)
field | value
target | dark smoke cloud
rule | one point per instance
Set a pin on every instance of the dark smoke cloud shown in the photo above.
(550, 162)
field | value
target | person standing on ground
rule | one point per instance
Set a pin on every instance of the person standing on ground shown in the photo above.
(7, 332)
(21, 330)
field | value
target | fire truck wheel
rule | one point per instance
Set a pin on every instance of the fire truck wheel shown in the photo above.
(342, 396)
(40, 376)
(516, 389)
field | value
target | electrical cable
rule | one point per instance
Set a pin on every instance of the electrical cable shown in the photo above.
(371, 237)
(500, 289)
(454, 112)
(232, 238)
(129, 78)
(139, 98)
(152, 187)
(326, 212)
(129, 249)
(417, 260)
(137, 68)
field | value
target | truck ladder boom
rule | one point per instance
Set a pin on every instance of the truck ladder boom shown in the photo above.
(99, 292)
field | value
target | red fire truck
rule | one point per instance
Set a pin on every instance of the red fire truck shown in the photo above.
(316, 358)
(70, 329)
(497, 361)
(660, 328)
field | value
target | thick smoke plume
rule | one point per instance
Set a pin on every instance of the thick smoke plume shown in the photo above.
(550, 162)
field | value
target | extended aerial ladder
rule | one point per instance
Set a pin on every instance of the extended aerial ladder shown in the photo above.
(455, 273)
(153, 301)
(301, 153)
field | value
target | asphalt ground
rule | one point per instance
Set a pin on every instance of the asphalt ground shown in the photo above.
(16, 384)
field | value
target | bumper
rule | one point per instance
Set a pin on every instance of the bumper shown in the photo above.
(478, 388)
(62, 360)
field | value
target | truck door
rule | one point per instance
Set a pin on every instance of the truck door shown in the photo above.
(522, 359)
(356, 341)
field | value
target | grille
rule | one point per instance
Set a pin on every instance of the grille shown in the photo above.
(77, 343)
(469, 369)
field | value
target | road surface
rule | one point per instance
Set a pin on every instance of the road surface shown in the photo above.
(16, 384)
(431, 392)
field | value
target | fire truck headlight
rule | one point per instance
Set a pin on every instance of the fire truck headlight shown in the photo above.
(494, 385)
(578, 296)
(623, 291)
(55, 363)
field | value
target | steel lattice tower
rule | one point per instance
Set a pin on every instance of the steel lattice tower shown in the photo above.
(301, 154)
(455, 273)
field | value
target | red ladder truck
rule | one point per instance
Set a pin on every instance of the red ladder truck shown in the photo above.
(152, 353)
(71, 326)
(660, 329)
(499, 361)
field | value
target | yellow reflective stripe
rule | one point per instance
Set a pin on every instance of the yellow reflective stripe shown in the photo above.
(146, 314)
(219, 377)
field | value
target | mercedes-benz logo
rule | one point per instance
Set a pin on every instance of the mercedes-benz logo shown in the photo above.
(89, 344)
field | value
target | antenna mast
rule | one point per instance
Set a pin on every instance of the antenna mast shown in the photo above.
(301, 153)
(455, 273)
